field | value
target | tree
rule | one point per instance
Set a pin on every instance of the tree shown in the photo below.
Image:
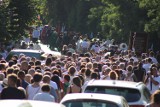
(16, 17)
(21, 17)
(71, 13)
(152, 7)
(152, 24)
(3, 20)
(119, 18)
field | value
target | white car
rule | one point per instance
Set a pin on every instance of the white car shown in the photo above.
(27, 52)
(93, 100)
(136, 94)
(48, 51)
(28, 103)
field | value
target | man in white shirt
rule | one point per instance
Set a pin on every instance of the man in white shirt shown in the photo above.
(148, 64)
(151, 55)
(78, 45)
(133, 56)
(35, 35)
(95, 48)
(85, 45)
(45, 94)
(153, 80)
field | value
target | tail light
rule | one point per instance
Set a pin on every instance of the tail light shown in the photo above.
(136, 106)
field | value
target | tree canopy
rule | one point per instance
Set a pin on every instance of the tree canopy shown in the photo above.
(16, 17)
(113, 18)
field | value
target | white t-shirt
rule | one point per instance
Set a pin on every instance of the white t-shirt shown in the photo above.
(95, 48)
(135, 59)
(154, 60)
(54, 85)
(44, 97)
(85, 44)
(78, 44)
(32, 91)
(154, 87)
(147, 67)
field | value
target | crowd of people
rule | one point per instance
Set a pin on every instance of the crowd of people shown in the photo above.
(25, 77)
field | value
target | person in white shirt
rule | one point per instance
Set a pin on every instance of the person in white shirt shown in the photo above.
(153, 80)
(78, 45)
(151, 55)
(133, 56)
(45, 94)
(34, 88)
(35, 35)
(148, 64)
(95, 48)
(105, 74)
(85, 45)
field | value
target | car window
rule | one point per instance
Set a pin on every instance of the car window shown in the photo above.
(89, 103)
(30, 54)
(125, 92)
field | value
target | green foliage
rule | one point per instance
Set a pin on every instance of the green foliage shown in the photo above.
(15, 17)
(72, 13)
(152, 7)
(113, 18)
(3, 21)
(21, 16)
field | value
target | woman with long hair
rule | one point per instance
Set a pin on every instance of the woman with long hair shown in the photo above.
(56, 79)
(76, 85)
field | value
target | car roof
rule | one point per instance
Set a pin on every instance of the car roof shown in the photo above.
(26, 50)
(114, 83)
(93, 96)
(28, 103)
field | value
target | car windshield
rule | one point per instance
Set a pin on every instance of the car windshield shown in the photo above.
(30, 54)
(89, 103)
(131, 95)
